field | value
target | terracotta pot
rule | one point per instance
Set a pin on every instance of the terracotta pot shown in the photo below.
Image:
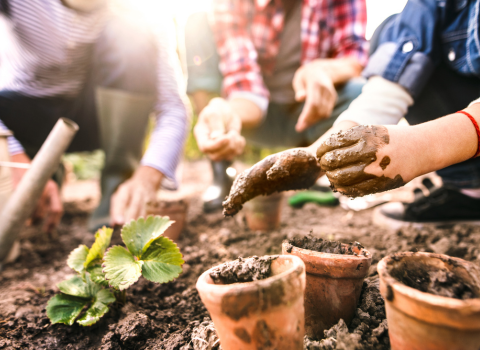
(260, 315)
(334, 284)
(424, 321)
(263, 212)
(175, 210)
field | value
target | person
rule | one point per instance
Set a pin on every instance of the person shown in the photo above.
(107, 69)
(425, 66)
(251, 51)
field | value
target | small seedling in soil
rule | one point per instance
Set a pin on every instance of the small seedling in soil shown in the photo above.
(104, 275)
(315, 244)
(243, 270)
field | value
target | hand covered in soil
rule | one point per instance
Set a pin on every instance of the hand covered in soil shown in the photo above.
(218, 131)
(293, 169)
(313, 85)
(357, 161)
(131, 198)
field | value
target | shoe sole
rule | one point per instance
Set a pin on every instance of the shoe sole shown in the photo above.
(383, 221)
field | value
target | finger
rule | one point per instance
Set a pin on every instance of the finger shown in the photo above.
(134, 209)
(301, 122)
(348, 176)
(202, 134)
(41, 209)
(341, 139)
(299, 85)
(339, 158)
(371, 186)
(55, 211)
(234, 124)
(214, 115)
(118, 205)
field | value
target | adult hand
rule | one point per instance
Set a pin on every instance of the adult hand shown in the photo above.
(314, 85)
(49, 209)
(218, 131)
(131, 198)
(293, 169)
(368, 159)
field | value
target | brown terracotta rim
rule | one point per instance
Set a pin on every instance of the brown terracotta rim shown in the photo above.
(410, 300)
(220, 290)
(330, 255)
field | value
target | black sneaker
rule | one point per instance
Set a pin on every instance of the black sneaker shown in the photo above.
(444, 205)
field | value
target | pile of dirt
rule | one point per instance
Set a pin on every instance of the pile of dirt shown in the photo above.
(439, 282)
(243, 270)
(171, 316)
(324, 246)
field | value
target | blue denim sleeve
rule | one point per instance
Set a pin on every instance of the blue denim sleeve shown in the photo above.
(408, 49)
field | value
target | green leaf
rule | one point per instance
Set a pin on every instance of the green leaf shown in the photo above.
(102, 241)
(75, 286)
(77, 257)
(65, 309)
(98, 309)
(97, 275)
(120, 267)
(162, 261)
(138, 235)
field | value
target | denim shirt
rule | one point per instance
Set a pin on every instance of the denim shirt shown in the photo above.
(425, 34)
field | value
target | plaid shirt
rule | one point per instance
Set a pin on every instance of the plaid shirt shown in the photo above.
(248, 32)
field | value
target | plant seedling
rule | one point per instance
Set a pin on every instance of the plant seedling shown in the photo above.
(103, 273)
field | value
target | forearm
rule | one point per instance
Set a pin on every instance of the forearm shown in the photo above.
(340, 70)
(248, 111)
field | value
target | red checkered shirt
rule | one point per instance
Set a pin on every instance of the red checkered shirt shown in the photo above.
(248, 32)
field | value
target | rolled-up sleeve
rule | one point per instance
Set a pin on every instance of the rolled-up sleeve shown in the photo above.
(350, 22)
(238, 56)
(172, 116)
(14, 147)
(408, 50)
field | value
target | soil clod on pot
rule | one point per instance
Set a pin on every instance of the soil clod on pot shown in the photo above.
(323, 246)
(243, 270)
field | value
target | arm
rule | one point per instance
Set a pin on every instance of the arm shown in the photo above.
(167, 139)
(316, 82)
(370, 159)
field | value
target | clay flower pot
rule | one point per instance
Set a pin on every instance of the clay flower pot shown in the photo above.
(264, 314)
(424, 321)
(334, 284)
(175, 210)
(263, 212)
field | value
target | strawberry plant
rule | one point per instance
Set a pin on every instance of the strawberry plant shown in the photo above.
(104, 274)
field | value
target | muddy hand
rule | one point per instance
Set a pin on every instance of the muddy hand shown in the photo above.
(346, 155)
(293, 169)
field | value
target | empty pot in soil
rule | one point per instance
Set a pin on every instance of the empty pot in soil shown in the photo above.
(175, 210)
(256, 303)
(431, 301)
(335, 274)
(263, 212)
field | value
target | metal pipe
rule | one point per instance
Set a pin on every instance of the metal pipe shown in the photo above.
(23, 200)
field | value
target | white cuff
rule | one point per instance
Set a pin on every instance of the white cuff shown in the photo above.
(474, 101)
(259, 100)
(381, 102)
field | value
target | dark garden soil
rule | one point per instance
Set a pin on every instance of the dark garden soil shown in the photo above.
(171, 316)
(243, 270)
(321, 245)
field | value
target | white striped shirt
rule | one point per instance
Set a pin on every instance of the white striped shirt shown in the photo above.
(45, 50)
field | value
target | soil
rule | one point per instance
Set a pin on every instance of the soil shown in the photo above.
(243, 270)
(321, 245)
(171, 316)
(439, 282)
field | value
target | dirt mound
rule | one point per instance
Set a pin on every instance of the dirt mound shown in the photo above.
(440, 282)
(243, 270)
(324, 246)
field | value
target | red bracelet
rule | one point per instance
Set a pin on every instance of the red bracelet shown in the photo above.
(476, 129)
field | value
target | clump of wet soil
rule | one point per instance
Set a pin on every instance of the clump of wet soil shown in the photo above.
(321, 245)
(243, 270)
(438, 282)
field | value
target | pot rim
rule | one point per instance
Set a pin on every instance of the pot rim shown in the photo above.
(220, 290)
(415, 302)
(330, 255)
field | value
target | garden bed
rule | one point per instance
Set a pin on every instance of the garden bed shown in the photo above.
(171, 316)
